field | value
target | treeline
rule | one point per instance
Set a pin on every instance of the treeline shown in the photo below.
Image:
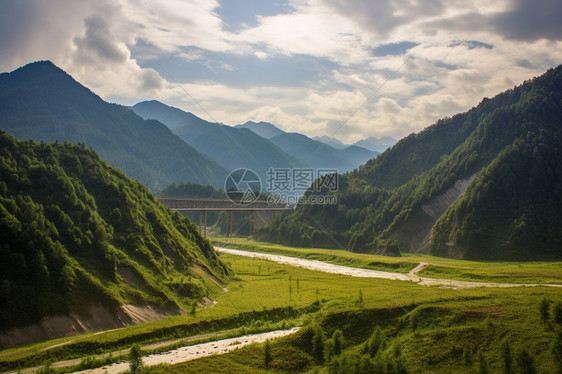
(76, 232)
(510, 143)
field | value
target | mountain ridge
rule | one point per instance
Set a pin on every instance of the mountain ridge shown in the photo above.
(79, 236)
(380, 205)
(42, 102)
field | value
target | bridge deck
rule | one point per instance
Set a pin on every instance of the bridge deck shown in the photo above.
(185, 204)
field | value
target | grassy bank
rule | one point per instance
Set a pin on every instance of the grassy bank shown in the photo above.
(438, 267)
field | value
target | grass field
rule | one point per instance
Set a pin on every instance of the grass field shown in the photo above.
(435, 329)
(438, 267)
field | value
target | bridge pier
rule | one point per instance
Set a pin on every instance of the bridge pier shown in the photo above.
(204, 205)
(229, 218)
(203, 223)
(253, 222)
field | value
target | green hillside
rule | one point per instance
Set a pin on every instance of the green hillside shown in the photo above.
(40, 101)
(77, 233)
(505, 152)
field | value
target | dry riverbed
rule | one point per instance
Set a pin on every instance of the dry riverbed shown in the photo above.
(195, 351)
(367, 273)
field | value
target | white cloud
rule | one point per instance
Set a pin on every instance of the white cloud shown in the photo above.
(443, 73)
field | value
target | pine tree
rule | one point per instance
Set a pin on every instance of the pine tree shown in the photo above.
(267, 355)
(543, 307)
(557, 313)
(506, 357)
(135, 360)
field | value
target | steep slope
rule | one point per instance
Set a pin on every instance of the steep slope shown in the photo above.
(232, 147)
(83, 247)
(320, 155)
(170, 116)
(263, 129)
(42, 102)
(505, 152)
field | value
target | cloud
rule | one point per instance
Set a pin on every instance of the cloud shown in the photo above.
(531, 20)
(98, 45)
(357, 69)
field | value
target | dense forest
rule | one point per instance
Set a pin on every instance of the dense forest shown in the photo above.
(76, 232)
(506, 152)
(41, 102)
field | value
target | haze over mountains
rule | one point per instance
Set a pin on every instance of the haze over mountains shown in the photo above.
(258, 146)
(40, 101)
(484, 184)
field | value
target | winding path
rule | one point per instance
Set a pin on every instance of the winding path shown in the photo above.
(367, 273)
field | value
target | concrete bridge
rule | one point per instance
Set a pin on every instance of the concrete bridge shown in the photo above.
(205, 205)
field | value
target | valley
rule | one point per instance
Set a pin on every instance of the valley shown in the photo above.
(267, 295)
(441, 254)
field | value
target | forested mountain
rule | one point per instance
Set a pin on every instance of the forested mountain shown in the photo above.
(232, 147)
(192, 190)
(77, 234)
(263, 129)
(42, 102)
(320, 155)
(483, 184)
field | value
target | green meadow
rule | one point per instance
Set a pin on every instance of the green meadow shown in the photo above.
(421, 329)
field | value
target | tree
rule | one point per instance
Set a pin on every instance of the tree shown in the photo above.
(375, 342)
(482, 365)
(360, 299)
(337, 338)
(543, 307)
(506, 357)
(135, 360)
(525, 362)
(556, 350)
(557, 313)
(318, 339)
(267, 355)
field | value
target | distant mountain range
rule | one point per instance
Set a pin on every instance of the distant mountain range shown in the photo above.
(320, 155)
(232, 147)
(373, 144)
(377, 144)
(263, 129)
(484, 184)
(40, 101)
(258, 146)
(153, 142)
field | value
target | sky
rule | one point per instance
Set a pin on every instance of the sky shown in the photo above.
(343, 68)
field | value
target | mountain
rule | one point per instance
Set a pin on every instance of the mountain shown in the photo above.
(358, 155)
(376, 144)
(263, 129)
(168, 115)
(332, 142)
(84, 247)
(232, 147)
(319, 155)
(40, 101)
(484, 184)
